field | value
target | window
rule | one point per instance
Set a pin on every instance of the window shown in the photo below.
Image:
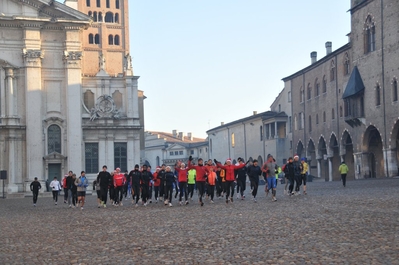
(332, 71)
(171, 153)
(309, 91)
(117, 4)
(346, 64)
(200, 151)
(369, 34)
(317, 118)
(54, 139)
(317, 88)
(289, 96)
(233, 143)
(91, 157)
(295, 122)
(267, 131)
(107, 4)
(279, 107)
(261, 132)
(333, 114)
(90, 13)
(120, 156)
(98, 3)
(302, 95)
(180, 152)
(176, 153)
(95, 16)
(87, 2)
(118, 99)
(117, 40)
(301, 121)
(324, 84)
(310, 123)
(324, 116)
(88, 99)
(100, 17)
(110, 40)
(116, 18)
(378, 95)
(361, 106)
(290, 145)
(91, 38)
(394, 90)
(109, 17)
(289, 124)
(340, 111)
(191, 152)
(97, 39)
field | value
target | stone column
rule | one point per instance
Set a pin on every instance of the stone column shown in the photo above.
(10, 91)
(319, 168)
(390, 156)
(275, 130)
(330, 169)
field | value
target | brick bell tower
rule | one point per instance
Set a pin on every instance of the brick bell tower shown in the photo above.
(105, 44)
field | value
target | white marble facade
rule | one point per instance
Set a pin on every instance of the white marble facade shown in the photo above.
(50, 114)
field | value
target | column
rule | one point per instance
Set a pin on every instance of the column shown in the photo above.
(319, 168)
(390, 157)
(330, 169)
(10, 92)
(275, 130)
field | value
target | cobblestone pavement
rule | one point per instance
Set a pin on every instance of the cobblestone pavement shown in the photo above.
(358, 224)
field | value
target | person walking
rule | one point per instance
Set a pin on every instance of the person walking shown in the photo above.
(161, 176)
(254, 171)
(157, 184)
(135, 178)
(74, 191)
(119, 183)
(298, 170)
(82, 184)
(35, 187)
(98, 191)
(105, 178)
(304, 173)
(146, 177)
(343, 170)
(56, 187)
(289, 171)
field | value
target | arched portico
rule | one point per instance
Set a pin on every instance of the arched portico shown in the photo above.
(372, 156)
(334, 159)
(322, 159)
(311, 156)
(346, 153)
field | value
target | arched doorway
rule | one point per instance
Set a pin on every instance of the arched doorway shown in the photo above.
(335, 158)
(372, 146)
(312, 162)
(260, 160)
(323, 161)
(347, 154)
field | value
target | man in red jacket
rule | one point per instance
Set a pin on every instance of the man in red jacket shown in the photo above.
(230, 176)
(119, 183)
(201, 172)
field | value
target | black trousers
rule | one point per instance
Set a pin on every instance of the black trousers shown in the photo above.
(201, 189)
(169, 192)
(65, 194)
(191, 190)
(112, 193)
(343, 177)
(229, 186)
(156, 192)
(241, 186)
(118, 194)
(254, 185)
(211, 191)
(104, 194)
(144, 193)
(35, 195)
(55, 195)
(75, 197)
(162, 188)
(183, 188)
(291, 179)
(298, 181)
(136, 192)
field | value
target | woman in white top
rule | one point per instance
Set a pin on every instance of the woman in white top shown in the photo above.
(55, 185)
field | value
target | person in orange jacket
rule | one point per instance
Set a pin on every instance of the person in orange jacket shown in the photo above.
(211, 183)
(230, 176)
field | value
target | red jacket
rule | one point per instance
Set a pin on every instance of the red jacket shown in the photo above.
(119, 180)
(230, 176)
(201, 172)
(157, 181)
(182, 177)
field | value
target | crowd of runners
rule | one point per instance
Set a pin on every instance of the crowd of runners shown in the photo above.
(208, 181)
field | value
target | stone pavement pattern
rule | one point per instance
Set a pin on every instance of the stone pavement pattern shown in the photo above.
(358, 224)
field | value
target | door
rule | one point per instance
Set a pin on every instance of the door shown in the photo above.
(54, 170)
(372, 165)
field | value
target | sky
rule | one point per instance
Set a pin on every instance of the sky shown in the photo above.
(203, 62)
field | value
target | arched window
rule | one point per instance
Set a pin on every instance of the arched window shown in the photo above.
(88, 99)
(369, 34)
(87, 2)
(309, 92)
(295, 122)
(378, 95)
(117, 4)
(95, 16)
(346, 64)
(90, 13)
(317, 87)
(116, 18)
(333, 114)
(118, 99)
(107, 4)
(100, 17)
(324, 84)
(341, 112)
(91, 38)
(97, 39)
(110, 40)
(310, 123)
(54, 139)
(109, 17)
(324, 116)
(261, 132)
(332, 71)
(395, 90)
(302, 95)
(98, 3)
(117, 40)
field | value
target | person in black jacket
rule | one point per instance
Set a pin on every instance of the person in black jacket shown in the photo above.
(135, 178)
(169, 180)
(241, 179)
(35, 187)
(146, 177)
(161, 176)
(69, 185)
(254, 171)
(105, 179)
(289, 171)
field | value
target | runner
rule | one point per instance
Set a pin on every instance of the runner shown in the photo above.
(157, 184)
(169, 180)
(35, 187)
(241, 179)
(304, 173)
(135, 178)
(271, 175)
(119, 183)
(105, 179)
(146, 177)
(254, 172)
(201, 172)
(56, 187)
(82, 184)
(191, 182)
(211, 183)
(182, 180)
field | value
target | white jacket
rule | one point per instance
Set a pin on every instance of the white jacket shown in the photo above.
(55, 185)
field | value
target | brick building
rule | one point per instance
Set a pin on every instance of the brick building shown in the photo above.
(345, 105)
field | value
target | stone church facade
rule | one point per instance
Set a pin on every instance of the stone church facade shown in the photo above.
(345, 105)
(67, 102)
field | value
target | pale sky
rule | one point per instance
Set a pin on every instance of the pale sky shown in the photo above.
(202, 62)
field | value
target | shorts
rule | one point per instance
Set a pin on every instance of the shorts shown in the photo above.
(271, 182)
(303, 178)
(81, 194)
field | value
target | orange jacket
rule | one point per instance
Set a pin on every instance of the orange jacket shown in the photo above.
(212, 178)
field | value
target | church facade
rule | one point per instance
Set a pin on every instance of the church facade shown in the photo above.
(68, 97)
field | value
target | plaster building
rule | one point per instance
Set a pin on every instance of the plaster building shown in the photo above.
(345, 105)
(65, 103)
(168, 148)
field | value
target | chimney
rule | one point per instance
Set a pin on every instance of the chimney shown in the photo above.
(174, 133)
(255, 112)
(313, 55)
(328, 47)
(222, 123)
(181, 136)
(190, 136)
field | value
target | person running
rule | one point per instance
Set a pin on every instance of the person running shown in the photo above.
(150, 184)
(286, 180)
(135, 178)
(169, 180)
(35, 187)
(126, 188)
(69, 185)
(254, 171)
(74, 191)
(230, 176)
(56, 187)
(289, 171)
(182, 180)
(191, 182)
(82, 184)
(241, 179)
(201, 172)
(298, 179)
(157, 184)
(161, 176)
(146, 177)
(304, 173)
(271, 176)
(65, 187)
(211, 183)
(105, 179)
(119, 183)
(98, 191)
(343, 170)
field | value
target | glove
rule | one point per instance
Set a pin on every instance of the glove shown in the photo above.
(215, 161)
(190, 158)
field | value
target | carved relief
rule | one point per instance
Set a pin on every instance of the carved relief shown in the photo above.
(105, 108)
(32, 56)
(72, 57)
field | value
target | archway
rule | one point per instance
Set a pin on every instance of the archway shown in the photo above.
(335, 158)
(372, 146)
(311, 157)
(299, 149)
(347, 154)
(323, 161)
(260, 160)
(393, 153)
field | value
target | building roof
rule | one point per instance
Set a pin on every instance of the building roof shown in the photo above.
(355, 84)
(170, 138)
